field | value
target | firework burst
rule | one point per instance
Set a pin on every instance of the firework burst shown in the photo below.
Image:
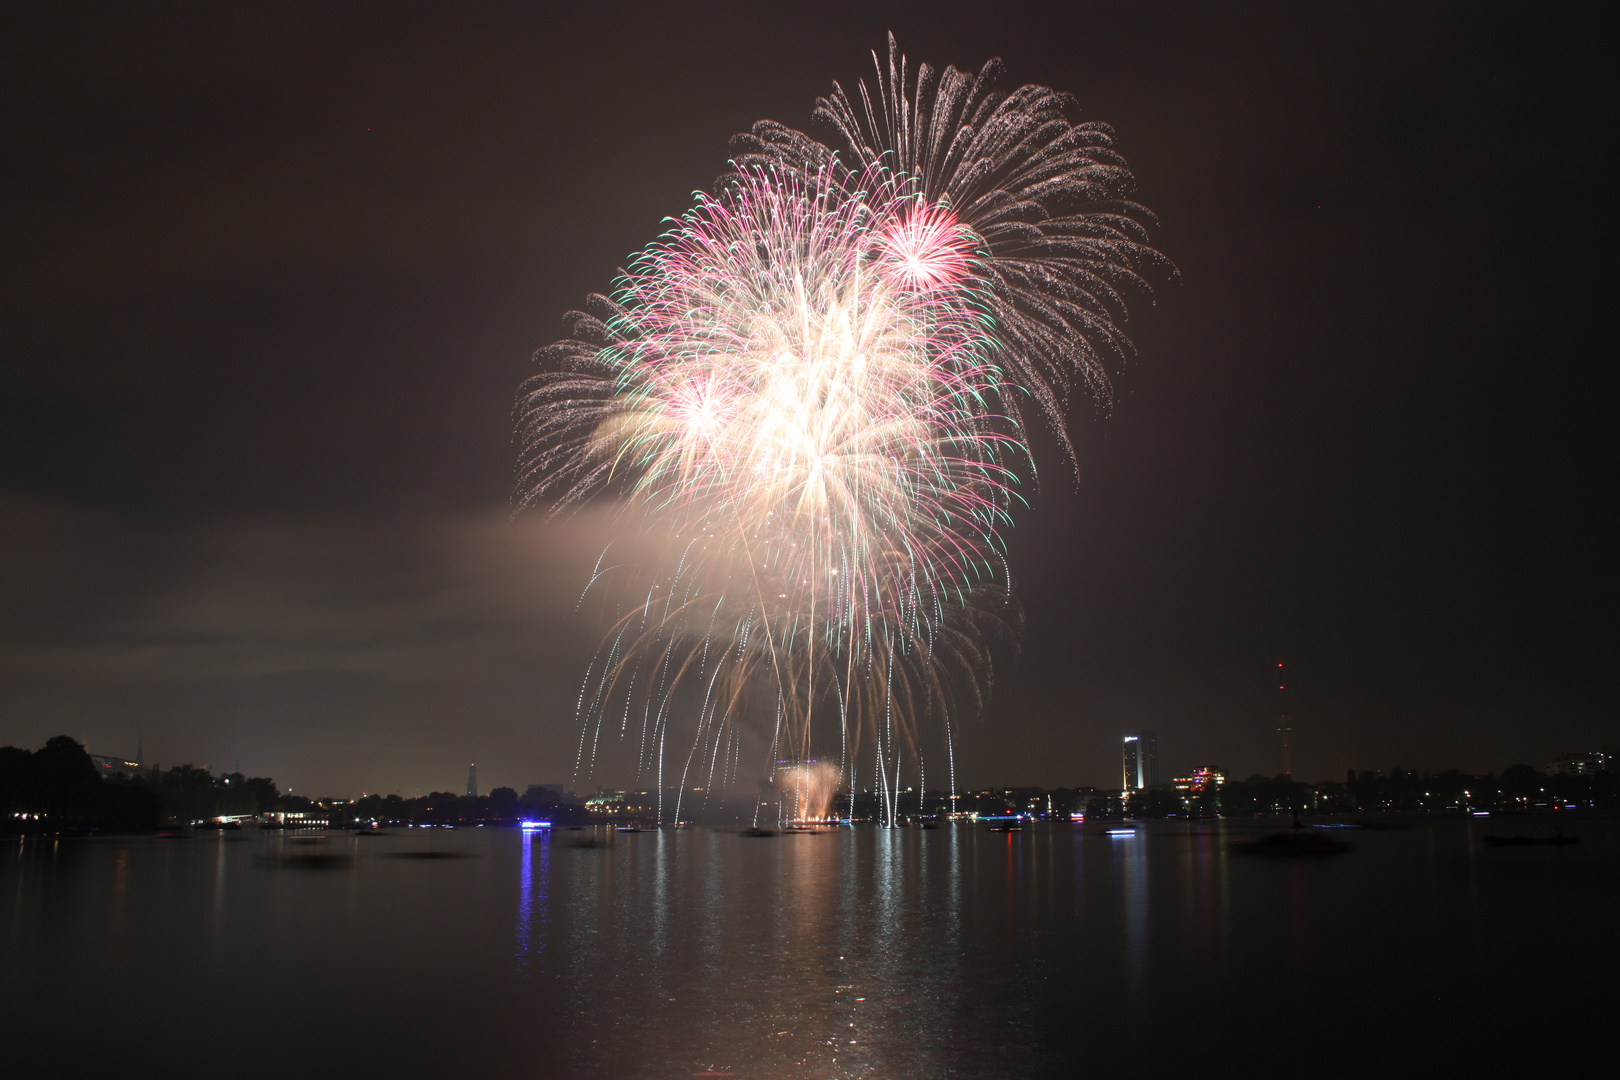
(805, 392)
(1064, 245)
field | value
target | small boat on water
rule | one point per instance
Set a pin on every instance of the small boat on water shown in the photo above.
(317, 860)
(1557, 839)
(754, 830)
(1296, 842)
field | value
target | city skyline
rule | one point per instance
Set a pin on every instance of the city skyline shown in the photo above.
(61, 787)
(1571, 761)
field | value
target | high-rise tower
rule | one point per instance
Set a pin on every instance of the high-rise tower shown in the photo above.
(1139, 760)
(472, 780)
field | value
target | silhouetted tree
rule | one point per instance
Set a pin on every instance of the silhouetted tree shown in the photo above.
(1522, 782)
(61, 785)
(1153, 803)
(13, 778)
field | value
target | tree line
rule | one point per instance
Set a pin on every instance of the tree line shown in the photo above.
(58, 788)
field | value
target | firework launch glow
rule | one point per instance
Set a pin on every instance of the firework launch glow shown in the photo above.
(808, 394)
(807, 792)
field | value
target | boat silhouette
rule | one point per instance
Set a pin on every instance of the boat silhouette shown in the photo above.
(1557, 839)
(1297, 841)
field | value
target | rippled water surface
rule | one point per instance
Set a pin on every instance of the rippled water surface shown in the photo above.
(855, 953)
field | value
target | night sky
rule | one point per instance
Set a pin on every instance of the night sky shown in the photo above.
(272, 277)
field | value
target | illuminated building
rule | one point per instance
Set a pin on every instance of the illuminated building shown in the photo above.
(1588, 764)
(472, 781)
(1203, 779)
(606, 804)
(113, 765)
(619, 804)
(1140, 754)
(299, 819)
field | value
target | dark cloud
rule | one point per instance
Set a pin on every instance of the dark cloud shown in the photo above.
(326, 651)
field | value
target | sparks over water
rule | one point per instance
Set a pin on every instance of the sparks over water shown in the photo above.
(804, 398)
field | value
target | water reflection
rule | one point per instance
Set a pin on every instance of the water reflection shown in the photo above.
(1130, 859)
(218, 921)
(856, 954)
(533, 909)
(841, 953)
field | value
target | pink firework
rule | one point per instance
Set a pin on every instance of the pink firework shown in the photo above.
(924, 247)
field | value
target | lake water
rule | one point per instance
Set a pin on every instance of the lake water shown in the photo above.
(1056, 951)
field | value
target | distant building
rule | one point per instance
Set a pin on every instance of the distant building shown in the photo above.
(621, 803)
(1203, 779)
(113, 765)
(300, 819)
(1140, 761)
(1105, 805)
(472, 781)
(1586, 764)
